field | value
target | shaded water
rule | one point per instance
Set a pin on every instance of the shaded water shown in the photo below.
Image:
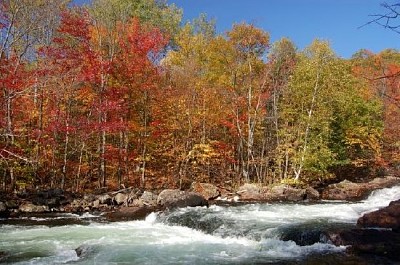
(246, 234)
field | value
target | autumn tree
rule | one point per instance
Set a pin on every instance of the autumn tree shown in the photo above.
(326, 121)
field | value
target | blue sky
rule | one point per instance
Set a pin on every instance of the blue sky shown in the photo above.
(336, 21)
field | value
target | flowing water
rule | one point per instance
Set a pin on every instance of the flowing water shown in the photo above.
(277, 233)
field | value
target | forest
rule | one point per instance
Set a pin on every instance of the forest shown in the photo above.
(124, 94)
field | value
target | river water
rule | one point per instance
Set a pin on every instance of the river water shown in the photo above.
(277, 233)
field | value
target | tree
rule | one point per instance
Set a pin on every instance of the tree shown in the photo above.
(319, 131)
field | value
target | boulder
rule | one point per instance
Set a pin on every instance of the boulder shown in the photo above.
(176, 198)
(105, 199)
(249, 192)
(385, 182)
(31, 208)
(129, 213)
(312, 194)
(285, 193)
(383, 243)
(3, 207)
(388, 217)
(350, 191)
(207, 190)
(12, 204)
(148, 198)
(121, 198)
(345, 190)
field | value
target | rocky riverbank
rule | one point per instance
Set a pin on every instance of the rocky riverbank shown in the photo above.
(131, 203)
(377, 233)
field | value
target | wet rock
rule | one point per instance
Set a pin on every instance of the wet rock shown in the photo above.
(31, 208)
(369, 241)
(176, 198)
(388, 217)
(84, 251)
(249, 192)
(130, 213)
(207, 190)
(148, 198)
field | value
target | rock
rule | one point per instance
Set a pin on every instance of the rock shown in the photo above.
(11, 204)
(105, 199)
(96, 204)
(312, 194)
(385, 182)
(285, 193)
(249, 192)
(388, 217)
(31, 208)
(148, 198)
(130, 213)
(369, 241)
(121, 198)
(176, 198)
(3, 207)
(350, 191)
(345, 190)
(207, 190)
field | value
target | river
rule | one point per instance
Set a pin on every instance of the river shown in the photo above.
(276, 233)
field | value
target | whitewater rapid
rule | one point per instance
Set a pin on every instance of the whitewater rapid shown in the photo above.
(278, 233)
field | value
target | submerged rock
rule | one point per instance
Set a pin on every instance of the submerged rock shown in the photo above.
(176, 198)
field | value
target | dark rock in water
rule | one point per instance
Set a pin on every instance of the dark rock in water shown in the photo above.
(177, 198)
(3, 255)
(388, 217)
(369, 241)
(207, 190)
(130, 213)
(84, 251)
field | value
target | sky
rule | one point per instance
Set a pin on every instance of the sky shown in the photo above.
(302, 21)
